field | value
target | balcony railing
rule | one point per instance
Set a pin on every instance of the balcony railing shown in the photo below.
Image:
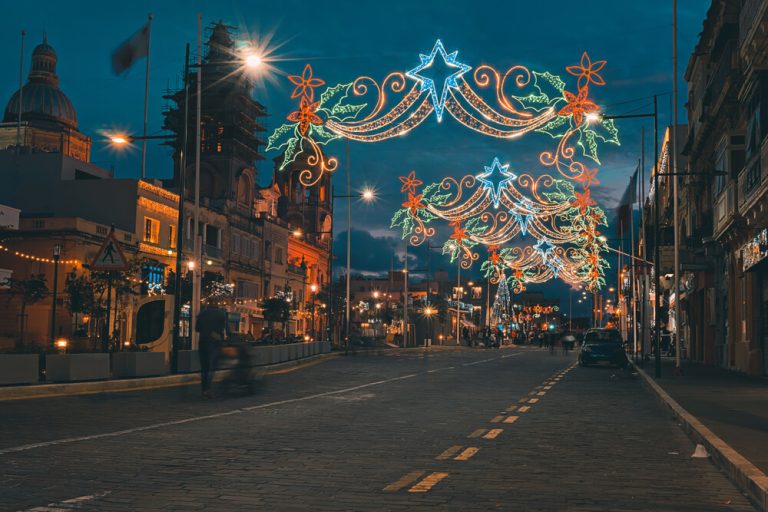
(725, 207)
(752, 182)
(749, 18)
(723, 70)
(212, 251)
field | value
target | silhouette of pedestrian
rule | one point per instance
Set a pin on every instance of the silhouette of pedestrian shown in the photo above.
(212, 326)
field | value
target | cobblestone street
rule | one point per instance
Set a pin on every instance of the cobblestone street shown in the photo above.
(513, 429)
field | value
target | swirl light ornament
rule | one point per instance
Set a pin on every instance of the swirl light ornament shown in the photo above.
(534, 228)
(503, 105)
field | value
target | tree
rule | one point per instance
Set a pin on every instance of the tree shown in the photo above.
(31, 290)
(276, 309)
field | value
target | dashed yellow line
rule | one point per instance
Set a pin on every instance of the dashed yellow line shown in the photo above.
(467, 453)
(533, 400)
(523, 400)
(477, 433)
(511, 419)
(447, 454)
(404, 481)
(524, 408)
(541, 393)
(493, 433)
(429, 482)
(547, 388)
(497, 419)
(511, 408)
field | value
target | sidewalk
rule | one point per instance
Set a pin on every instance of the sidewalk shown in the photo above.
(725, 405)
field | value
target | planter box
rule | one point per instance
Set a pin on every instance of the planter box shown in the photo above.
(188, 361)
(325, 347)
(282, 353)
(75, 367)
(261, 356)
(293, 351)
(304, 350)
(19, 368)
(138, 364)
(314, 348)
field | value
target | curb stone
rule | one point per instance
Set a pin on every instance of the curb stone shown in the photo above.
(745, 475)
(122, 385)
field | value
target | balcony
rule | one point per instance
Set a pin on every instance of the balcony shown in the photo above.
(720, 80)
(212, 251)
(751, 17)
(725, 209)
(752, 182)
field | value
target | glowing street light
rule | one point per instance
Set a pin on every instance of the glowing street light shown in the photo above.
(368, 195)
(119, 139)
(253, 60)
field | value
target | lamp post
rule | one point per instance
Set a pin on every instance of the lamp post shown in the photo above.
(313, 288)
(56, 256)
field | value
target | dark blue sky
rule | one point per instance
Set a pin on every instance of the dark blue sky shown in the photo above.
(367, 38)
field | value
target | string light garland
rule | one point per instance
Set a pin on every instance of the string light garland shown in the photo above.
(39, 259)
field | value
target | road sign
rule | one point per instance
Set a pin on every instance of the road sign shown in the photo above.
(110, 257)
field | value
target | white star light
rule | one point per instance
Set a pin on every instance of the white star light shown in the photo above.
(545, 248)
(453, 73)
(495, 178)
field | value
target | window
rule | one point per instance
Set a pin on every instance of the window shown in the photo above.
(267, 250)
(255, 249)
(151, 230)
(171, 236)
(235, 244)
(246, 248)
(152, 277)
(279, 255)
(322, 194)
(212, 236)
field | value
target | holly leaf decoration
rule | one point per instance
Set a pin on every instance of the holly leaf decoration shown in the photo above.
(291, 152)
(555, 128)
(321, 134)
(282, 136)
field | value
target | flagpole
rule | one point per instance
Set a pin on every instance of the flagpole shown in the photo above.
(21, 93)
(146, 100)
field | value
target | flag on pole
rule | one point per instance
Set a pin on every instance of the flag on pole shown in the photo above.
(628, 199)
(131, 50)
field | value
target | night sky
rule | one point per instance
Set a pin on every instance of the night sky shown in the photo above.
(367, 38)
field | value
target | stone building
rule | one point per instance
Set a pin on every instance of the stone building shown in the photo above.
(723, 214)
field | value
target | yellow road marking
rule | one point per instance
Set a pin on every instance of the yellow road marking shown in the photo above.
(511, 408)
(477, 433)
(533, 400)
(524, 408)
(538, 387)
(511, 419)
(547, 387)
(497, 419)
(447, 454)
(428, 482)
(404, 481)
(523, 400)
(541, 393)
(493, 433)
(467, 453)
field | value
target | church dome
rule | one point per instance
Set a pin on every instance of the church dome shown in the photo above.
(42, 100)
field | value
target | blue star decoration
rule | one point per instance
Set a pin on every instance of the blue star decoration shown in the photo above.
(495, 178)
(545, 248)
(522, 213)
(554, 268)
(443, 74)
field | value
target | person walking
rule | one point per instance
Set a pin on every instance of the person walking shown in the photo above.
(212, 326)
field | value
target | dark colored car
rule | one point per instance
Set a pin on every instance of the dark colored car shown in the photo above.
(603, 346)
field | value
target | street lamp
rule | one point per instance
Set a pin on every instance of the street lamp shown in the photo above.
(56, 256)
(313, 288)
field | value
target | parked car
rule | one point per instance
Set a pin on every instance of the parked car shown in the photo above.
(603, 346)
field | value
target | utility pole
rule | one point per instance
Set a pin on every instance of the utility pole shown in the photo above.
(405, 298)
(678, 344)
(198, 260)
(656, 241)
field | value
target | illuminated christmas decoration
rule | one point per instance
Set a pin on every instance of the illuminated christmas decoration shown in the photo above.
(563, 228)
(501, 303)
(504, 105)
(420, 73)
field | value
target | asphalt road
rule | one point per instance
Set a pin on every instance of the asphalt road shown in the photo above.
(460, 429)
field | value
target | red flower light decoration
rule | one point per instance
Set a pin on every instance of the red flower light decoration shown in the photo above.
(459, 234)
(305, 115)
(305, 84)
(414, 203)
(588, 177)
(578, 105)
(583, 201)
(410, 182)
(587, 71)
